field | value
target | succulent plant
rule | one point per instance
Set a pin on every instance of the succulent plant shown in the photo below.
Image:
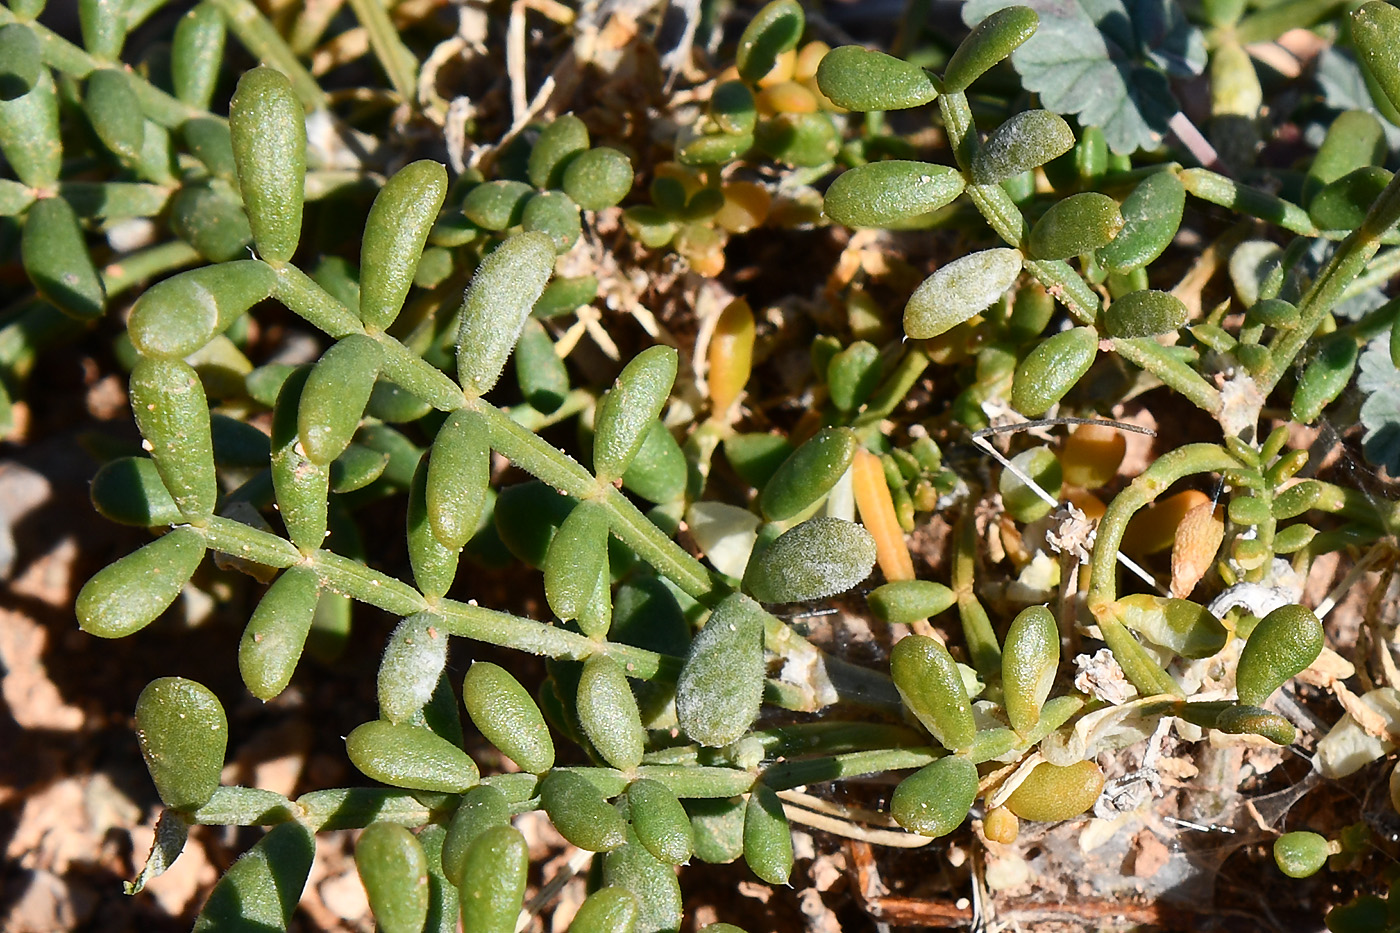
(680, 705)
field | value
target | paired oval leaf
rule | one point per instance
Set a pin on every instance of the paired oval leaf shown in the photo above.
(808, 473)
(863, 79)
(128, 595)
(334, 397)
(564, 139)
(1029, 659)
(1051, 793)
(660, 822)
(1052, 369)
(395, 233)
(268, 127)
(502, 292)
(990, 41)
(629, 408)
(177, 316)
(507, 716)
(413, 661)
(1300, 854)
(1027, 140)
(1151, 217)
(493, 881)
(1081, 223)
(172, 414)
(775, 29)
(721, 685)
(608, 713)
(934, 800)
(818, 558)
(403, 755)
(1145, 313)
(767, 836)
(931, 686)
(580, 812)
(885, 194)
(1325, 376)
(394, 870)
(606, 910)
(959, 290)
(272, 643)
(459, 477)
(1284, 643)
(909, 600)
(598, 179)
(183, 734)
(481, 808)
(54, 252)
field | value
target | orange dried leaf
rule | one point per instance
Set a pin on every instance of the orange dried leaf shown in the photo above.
(1092, 455)
(1154, 528)
(1194, 548)
(730, 356)
(877, 514)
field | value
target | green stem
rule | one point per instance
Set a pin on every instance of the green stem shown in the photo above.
(261, 38)
(789, 774)
(304, 297)
(692, 781)
(532, 419)
(1217, 189)
(978, 634)
(356, 807)
(831, 738)
(1148, 354)
(396, 60)
(1348, 262)
(1137, 664)
(247, 543)
(893, 390)
(416, 375)
(115, 200)
(1068, 287)
(134, 268)
(1170, 467)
